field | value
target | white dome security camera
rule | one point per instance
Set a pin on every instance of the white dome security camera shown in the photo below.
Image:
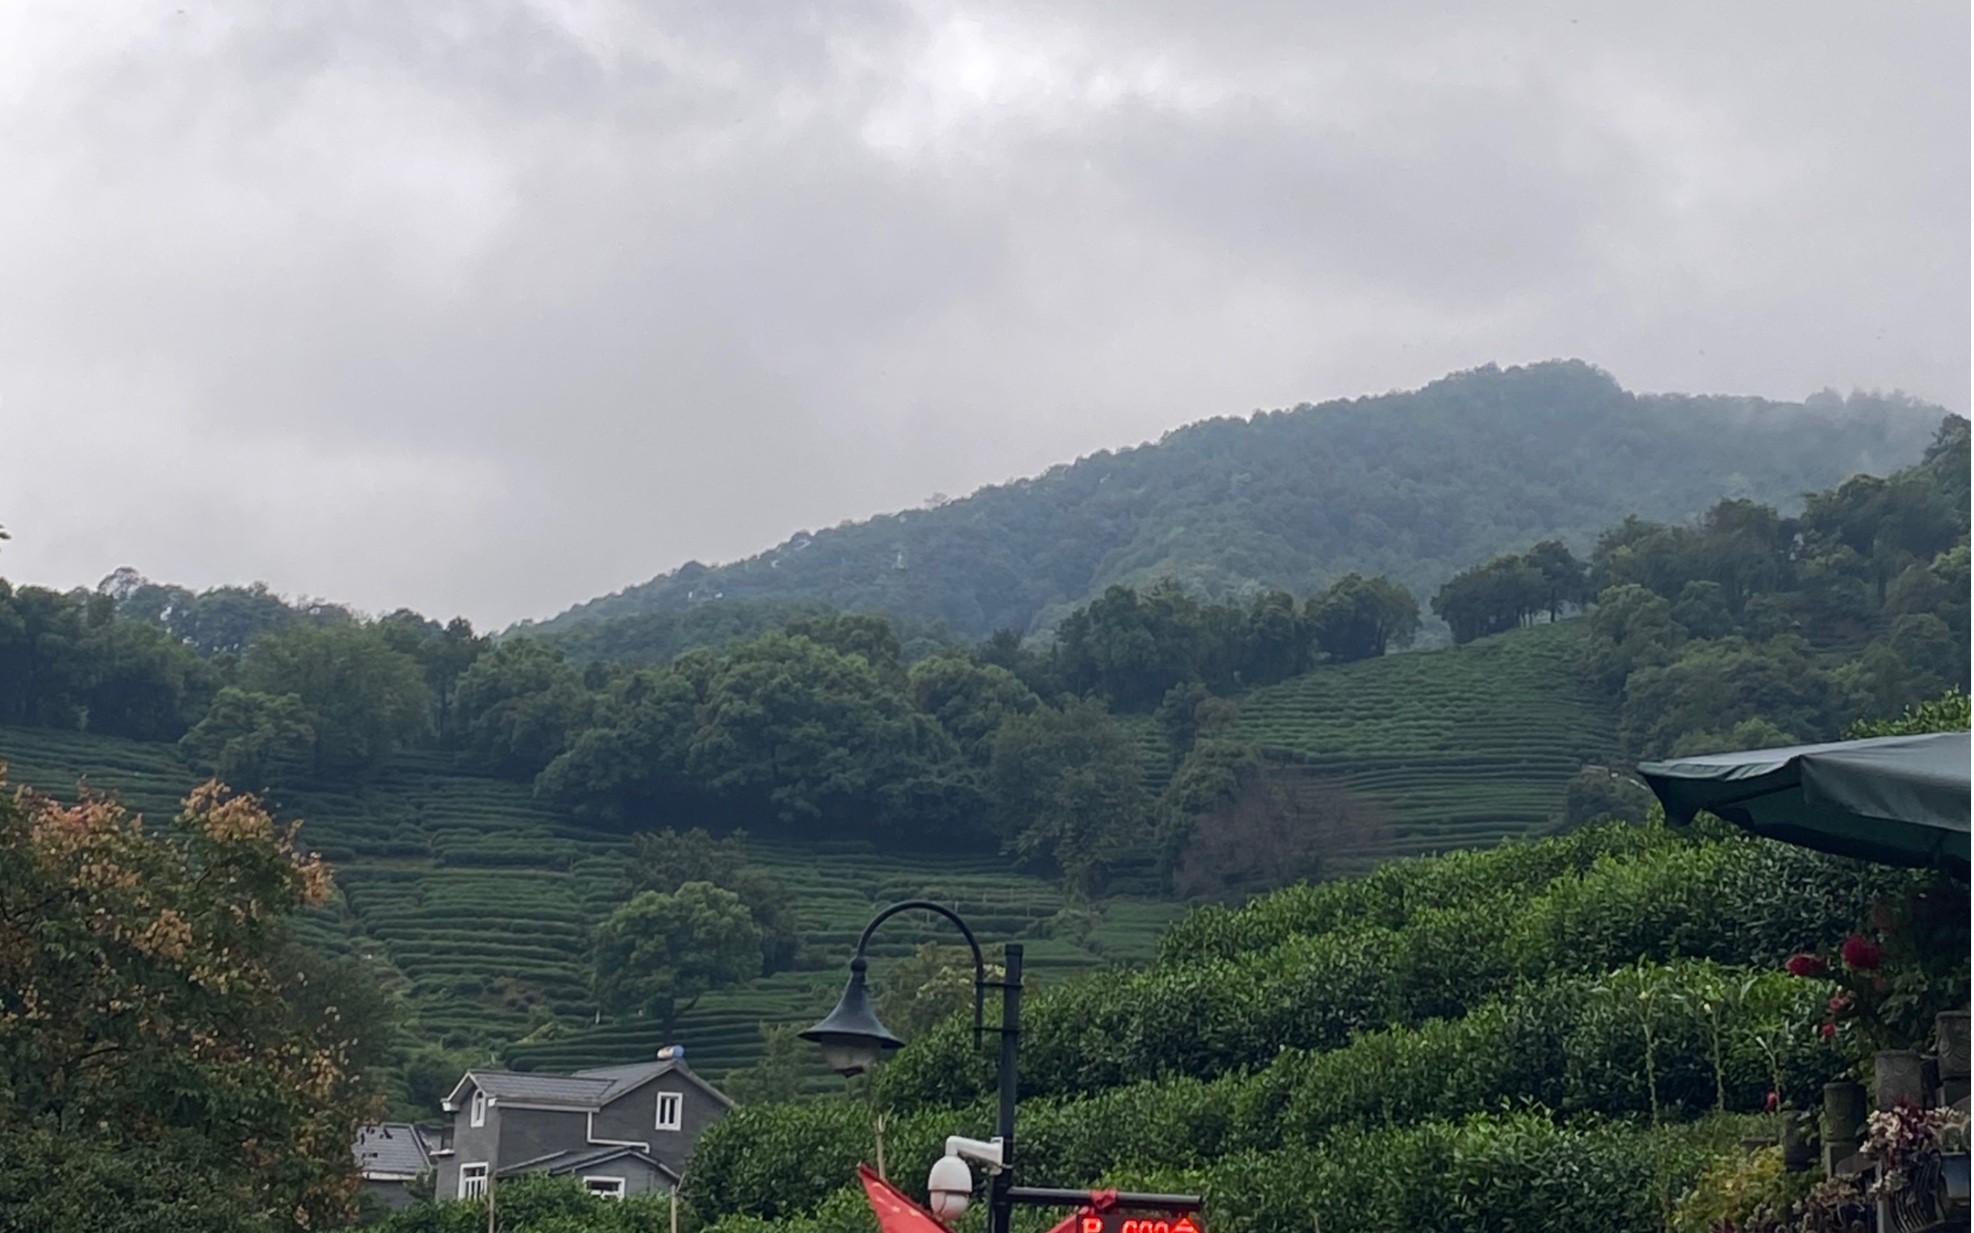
(950, 1187)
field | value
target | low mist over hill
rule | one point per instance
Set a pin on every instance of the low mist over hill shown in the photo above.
(1416, 486)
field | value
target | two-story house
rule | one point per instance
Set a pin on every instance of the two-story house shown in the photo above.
(620, 1129)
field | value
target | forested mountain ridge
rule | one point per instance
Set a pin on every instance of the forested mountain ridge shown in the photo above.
(1415, 486)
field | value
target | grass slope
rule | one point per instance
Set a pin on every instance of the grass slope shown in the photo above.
(1461, 747)
(474, 901)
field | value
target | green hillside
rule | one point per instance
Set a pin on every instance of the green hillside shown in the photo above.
(1462, 746)
(1458, 747)
(1564, 1034)
(474, 900)
(1416, 486)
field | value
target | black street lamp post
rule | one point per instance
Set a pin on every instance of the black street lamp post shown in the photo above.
(852, 1038)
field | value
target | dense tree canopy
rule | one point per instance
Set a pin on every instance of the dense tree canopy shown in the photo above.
(252, 738)
(806, 732)
(443, 652)
(1511, 590)
(1359, 618)
(1133, 650)
(1414, 486)
(66, 661)
(1067, 789)
(364, 698)
(159, 1037)
(628, 760)
(1747, 628)
(219, 621)
(666, 860)
(658, 953)
(516, 706)
(970, 700)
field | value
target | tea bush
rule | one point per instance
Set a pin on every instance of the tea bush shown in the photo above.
(1489, 1173)
(1382, 953)
(1574, 1045)
(537, 1203)
(1389, 894)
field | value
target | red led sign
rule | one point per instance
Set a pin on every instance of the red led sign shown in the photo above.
(1119, 1222)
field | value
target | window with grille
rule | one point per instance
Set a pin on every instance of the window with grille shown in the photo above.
(671, 1108)
(472, 1181)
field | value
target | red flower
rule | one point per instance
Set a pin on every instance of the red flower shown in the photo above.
(1862, 953)
(1839, 1002)
(1829, 1030)
(1773, 1103)
(1806, 965)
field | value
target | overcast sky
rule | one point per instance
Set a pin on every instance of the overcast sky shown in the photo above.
(491, 306)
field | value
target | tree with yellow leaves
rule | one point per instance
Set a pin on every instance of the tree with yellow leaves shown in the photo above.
(162, 1064)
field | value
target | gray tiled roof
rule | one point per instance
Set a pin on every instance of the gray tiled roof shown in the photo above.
(546, 1089)
(393, 1148)
(586, 1089)
(583, 1158)
(623, 1078)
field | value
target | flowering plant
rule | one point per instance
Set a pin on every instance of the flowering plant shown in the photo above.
(1833, 1205)
(1900, 1138)
(1891, 976)
(1951, 1133)
(1907, 1142)
(1860, 989)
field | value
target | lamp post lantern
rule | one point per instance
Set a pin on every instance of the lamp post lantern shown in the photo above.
(851, 1036)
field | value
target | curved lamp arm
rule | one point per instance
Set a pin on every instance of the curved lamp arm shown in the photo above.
(979, 962)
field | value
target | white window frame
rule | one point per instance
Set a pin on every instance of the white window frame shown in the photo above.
(478, 1116)
(472, 1181)
(674, 1102)
(604, 1187)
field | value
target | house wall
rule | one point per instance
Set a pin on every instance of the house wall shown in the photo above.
(639, 1178)
(633, 1118)
(529, 1134)
(470, 1145)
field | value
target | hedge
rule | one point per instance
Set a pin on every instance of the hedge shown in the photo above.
(1501, 1173)
(1575, 1045)
(1651, 895)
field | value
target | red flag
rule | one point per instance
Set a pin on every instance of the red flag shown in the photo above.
(896, 1213)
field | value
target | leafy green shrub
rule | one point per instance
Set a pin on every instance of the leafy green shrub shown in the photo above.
(1391, 893)
(1427, 943)
(537, 1203)
(777, 1161)
(1484, 1174)
(1575, 1044)
(1498, 1174)
(843, 1211)
(1738, 1189)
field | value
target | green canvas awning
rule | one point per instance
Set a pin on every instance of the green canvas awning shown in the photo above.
(1897, 800)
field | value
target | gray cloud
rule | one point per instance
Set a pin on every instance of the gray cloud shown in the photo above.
(490, 307)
